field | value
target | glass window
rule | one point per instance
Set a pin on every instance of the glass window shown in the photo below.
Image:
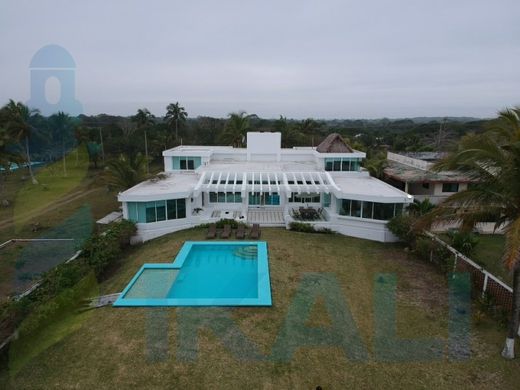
(337, 164)
(181, 208)
(254, 198)
(355, 164)
(150, 212)
(171, 208)
(367, 210)
(183, 163)
(230, 197)
(325, 200)
(191, 163)
(132, 211)
(238, 197)
(450, 187)
(160, 206)
(383, 211)
(221, 197)
(345, 164)
(344, 206)
(355, 208)
(398, 209)
(328, 165)
(213, 197)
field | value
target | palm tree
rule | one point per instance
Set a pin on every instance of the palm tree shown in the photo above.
(419, 208)
(61, 121)
(19, 116)
(236, 128)
(376, 166)
(308, 127)
(8, 156)
(143, 119)
(493, 159)
(174, 114)
(290, 135)
(125, 172)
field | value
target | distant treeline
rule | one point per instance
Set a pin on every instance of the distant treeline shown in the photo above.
(108, 136)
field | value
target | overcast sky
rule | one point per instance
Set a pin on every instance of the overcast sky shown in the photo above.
(321, 59)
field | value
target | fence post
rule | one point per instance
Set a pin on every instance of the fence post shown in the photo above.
(455, 263)
(484, 286)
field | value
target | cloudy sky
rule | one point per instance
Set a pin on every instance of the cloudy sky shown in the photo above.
(321, 59)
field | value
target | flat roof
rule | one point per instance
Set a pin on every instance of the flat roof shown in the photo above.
(365, 187)
(175, 185)
(410, 174)
(260, 166)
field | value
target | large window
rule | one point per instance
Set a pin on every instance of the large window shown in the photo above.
(369, 210)
(450, 187)
(325, 200)
(264, 199)
(156, 211)
(225, 197)
(186, 163)
(342, 164)
(304, 197)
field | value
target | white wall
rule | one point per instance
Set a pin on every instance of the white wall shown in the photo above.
(266, 146)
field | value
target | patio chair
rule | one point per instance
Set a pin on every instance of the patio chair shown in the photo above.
(240, 232)
(226, 232)
(255, 231)
(212, 231)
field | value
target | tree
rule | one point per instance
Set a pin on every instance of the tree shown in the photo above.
(493, 159)
(62, 124)
(144, 119)
(309, 127)
(175, 114)
(236, 128)
(290, 134)
(419, 208)
(376, 166)
(125, 172)
(8, 155)
(19, 116)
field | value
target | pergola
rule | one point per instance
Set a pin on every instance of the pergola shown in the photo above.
(265, 182)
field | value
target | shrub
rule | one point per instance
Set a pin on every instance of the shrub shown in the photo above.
(234, 224)
(302, 227)
(423, 247)
(102, 250)
(402, 227)
(464, 242)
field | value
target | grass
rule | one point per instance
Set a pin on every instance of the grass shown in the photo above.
(488, 253)
(108, 349)
(61, 206)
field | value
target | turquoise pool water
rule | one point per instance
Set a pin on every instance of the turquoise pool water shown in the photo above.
(204, 274)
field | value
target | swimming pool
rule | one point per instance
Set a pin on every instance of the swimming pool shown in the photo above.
(204, 274)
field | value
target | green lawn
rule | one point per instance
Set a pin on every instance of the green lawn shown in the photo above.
(106, 348)
(488, 253)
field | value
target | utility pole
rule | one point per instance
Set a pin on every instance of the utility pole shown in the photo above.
(102, 147)
(440, 135)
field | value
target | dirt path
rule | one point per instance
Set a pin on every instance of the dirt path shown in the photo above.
(6, 223)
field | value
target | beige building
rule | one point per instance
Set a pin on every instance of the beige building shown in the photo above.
(412, 174)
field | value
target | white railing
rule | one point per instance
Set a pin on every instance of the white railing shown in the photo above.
(458, 255)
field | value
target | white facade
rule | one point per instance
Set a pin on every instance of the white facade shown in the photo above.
(264, 184)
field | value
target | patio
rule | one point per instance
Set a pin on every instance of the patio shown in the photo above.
(308, 214)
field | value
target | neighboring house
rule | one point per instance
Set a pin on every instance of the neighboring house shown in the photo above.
(411, 172)
(265, 184)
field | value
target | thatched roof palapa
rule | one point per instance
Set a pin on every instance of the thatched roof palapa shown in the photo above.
(334, 143)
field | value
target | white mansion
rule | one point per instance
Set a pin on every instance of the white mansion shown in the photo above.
(265, 184)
